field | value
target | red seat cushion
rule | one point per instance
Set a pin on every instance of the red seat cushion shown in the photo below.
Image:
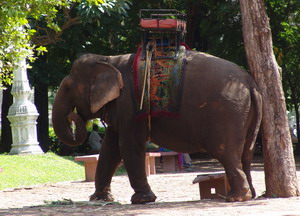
(162, 23)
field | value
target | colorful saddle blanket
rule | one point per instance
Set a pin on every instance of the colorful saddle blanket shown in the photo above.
(158, 94)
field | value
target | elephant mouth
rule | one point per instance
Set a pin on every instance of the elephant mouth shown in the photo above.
(70, 130)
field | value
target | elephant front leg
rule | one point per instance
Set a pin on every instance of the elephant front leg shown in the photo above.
(138, 180)
(133, 154)
(109, 160)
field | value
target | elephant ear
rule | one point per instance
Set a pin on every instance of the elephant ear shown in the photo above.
(106, 85)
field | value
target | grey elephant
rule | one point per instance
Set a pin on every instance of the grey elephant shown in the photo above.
(220, 112)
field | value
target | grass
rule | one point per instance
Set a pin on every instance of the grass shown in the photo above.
(29, 170)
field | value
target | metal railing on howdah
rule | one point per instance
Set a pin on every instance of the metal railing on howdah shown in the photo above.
(165, 29)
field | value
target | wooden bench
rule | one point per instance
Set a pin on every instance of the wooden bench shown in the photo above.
(169, 163)
(212, 185)
(90, 165)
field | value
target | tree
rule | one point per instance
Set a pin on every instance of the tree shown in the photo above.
(220, 31)
(37, 21)
(14, 38)
(280, 171)
(6, 135)
(45, 22)
(63, 47)
(285, 19)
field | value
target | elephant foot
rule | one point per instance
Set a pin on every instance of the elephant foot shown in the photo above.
(239, 196)
(107, 197)
(142, 198)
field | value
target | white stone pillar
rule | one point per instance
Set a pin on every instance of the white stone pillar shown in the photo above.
(22, 115)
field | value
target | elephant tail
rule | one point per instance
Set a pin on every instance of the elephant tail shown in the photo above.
(254, 126)
(255, 117)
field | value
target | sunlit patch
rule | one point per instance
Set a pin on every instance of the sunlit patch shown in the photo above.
(73, 129)
(202, 105)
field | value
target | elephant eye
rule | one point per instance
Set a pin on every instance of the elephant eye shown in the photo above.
(67, 89)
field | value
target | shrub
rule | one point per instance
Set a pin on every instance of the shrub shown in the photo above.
(53, 145)
(59, 148)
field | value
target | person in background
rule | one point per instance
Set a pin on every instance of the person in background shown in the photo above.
(187, 162)
(95, 140)
(293, 136)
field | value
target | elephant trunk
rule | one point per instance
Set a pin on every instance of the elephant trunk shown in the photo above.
(62, 117)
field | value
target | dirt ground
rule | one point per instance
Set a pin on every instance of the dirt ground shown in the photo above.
(176, 195)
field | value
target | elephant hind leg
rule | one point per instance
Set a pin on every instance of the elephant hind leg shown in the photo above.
(240, 188)
(246, 162)
(230, 156)
(247, 171)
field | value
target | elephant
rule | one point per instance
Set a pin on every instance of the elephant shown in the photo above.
(220, 113)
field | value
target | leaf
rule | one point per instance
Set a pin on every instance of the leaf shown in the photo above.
(41, 50)
(65, 202)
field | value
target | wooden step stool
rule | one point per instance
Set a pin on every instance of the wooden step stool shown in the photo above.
(212, 185)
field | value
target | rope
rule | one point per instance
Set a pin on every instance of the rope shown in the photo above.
(147, 78)
(147, 75)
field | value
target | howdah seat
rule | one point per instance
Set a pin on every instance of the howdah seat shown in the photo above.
(162, 31)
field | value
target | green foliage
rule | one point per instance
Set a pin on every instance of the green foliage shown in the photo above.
(28, 170)
(43, 22)
(53, 145)
(15, 32)
(88, 11)
(218, 27)
(285, 18)
(221, 30)
(290, 33)
(56, 147)
(102, 130)
(98, 27)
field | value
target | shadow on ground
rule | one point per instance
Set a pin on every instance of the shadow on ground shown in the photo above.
(208, 164)
(162, 208)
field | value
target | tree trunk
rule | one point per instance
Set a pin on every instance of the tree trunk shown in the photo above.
(41, 103)
(6, 135)
(280, 170)
(193, 21)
